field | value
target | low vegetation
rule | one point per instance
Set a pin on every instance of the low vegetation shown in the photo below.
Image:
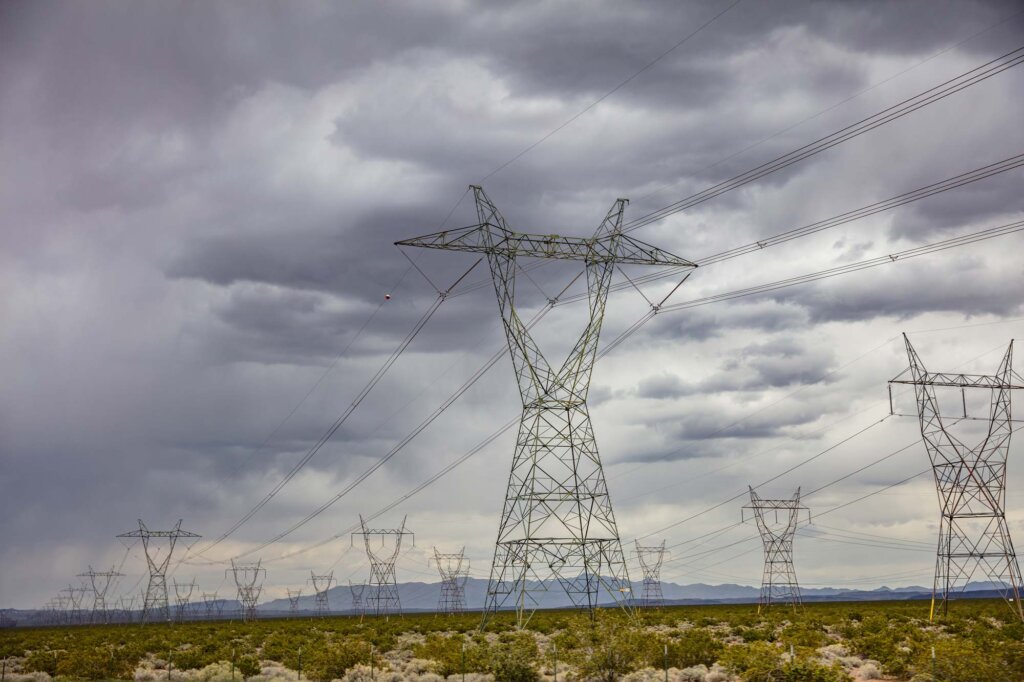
(820, 643)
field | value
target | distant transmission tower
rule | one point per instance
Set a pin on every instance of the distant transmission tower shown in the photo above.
(293, 600)
(557, 523)
(182, 597)
(778, 583)
(650, 559)
(249, 581)
(383, 586)
(321, 586)
(971, 482)
(212, 606)
(156, 605)
(126, 608)
(357, 597)
(100, 582)
(74, 603)
(454, 570)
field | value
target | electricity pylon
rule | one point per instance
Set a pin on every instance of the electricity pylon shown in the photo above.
(557, 523)
(182, 597)
(249, 581)
(293, 600)
(454, 570)
(383, 586)
(650, 559)
(321, 586)
(212, 607)
(126, 608)
(74, 602)
(778, 582)
(357, 596)
(156, 601)
(100, 582)
(971, 482)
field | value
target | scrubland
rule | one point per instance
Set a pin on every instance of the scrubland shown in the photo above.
(978, 641)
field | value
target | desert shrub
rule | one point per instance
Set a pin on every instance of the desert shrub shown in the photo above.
(95, 664)
(331, 661)
(754, 662)
(446, 654)
(805, 670)
(247, 666)
(691, 648)
(42, 661)
(805, 634)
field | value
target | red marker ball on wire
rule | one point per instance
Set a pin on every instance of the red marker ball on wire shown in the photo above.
(387, 297)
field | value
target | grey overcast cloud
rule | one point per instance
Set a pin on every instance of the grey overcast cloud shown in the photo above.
(199, 206)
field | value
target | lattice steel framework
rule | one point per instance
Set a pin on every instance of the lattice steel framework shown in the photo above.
(777, 521)
(100, 583)
(74, 603)
(126, 608)
(357, 596)
(212, 606)
(382, 597)
(454, 570)
(557, 523)
(293, 600)
(182, 598)
(321, 586)
(650, 559)
(970, 481)
(156, 601)
(249, 582)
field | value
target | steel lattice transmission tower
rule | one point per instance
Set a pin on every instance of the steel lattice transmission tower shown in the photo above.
(249, 582)
(557, 523)
(777, 522)
(182, 597)
(971, 481)
(100, 582)
(126, 608)
(321, 586)
(650, 559)
(357, 597)
(383, 586)
(454, 570)
(156, 600)
(293, 600)
(74, 602)
(212, 607)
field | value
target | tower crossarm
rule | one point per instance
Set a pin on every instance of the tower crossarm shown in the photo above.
(490, 239)
(959, 381)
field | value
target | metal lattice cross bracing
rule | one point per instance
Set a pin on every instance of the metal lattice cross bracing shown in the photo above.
(156, 605)
(454, 570)
(100, 582)
(321, 586)
(971, 483)
(382, 587)
(777, 521)
(650, 559)
(357, 597)
(293, 600)
(249, 582)
(557, 524)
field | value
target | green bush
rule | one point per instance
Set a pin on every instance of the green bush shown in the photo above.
(754, 662)
(247, 666)
(333, 660)
(692, 647)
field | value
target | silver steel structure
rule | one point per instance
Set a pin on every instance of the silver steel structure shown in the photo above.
(182, 598)
(249, 582)
(382, 596)
(156, 605)
(100, 582)
(970, 481)
(650, 559)
(293, 600)
(777, 522)
(557, 524)
(321, 586)
(454, 570)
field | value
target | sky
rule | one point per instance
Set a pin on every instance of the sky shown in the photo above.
(200, 202)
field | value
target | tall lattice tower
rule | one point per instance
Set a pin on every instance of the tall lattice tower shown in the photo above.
(100, 582)
(557, 523)
(156, 606)
(971, 481)
(382, 588)
(212, 606)
(777, 522)
(249, 582)
(357, 591)
(454, 570)
(650, 559)
(74, 603)
(293, 600)
(182, 598)
(321, 586)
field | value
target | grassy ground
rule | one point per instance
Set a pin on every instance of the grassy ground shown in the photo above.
(823, 642)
